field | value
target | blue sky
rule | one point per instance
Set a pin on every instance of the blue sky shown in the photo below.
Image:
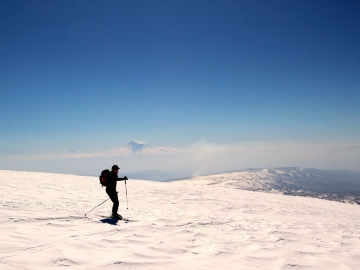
(93, 75)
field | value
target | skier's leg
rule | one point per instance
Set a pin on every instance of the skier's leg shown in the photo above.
(116, 204)
(114, 198)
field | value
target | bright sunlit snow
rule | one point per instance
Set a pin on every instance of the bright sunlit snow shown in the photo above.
(179, 225)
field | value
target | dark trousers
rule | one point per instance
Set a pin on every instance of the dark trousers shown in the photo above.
(114, 198)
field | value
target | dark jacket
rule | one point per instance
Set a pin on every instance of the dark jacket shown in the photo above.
(111, 181)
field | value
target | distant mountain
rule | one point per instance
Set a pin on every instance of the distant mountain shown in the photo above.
(154, 175)
(326, 184)
(137, 147)
(132, 148)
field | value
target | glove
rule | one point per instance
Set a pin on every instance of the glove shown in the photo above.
(125, 178)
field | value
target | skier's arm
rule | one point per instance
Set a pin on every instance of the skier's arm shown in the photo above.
(122, 179)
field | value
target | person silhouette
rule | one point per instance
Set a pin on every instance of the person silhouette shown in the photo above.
(111, 181)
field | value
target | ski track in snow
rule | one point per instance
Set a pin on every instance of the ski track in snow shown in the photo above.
(181, 226)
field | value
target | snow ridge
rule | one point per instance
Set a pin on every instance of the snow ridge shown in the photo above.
(341, 186)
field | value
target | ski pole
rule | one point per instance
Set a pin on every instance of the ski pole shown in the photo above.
(127, 202)
(96, 206)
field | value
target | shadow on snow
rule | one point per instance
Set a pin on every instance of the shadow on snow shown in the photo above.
(110, 221)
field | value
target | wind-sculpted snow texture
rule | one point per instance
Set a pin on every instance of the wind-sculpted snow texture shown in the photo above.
(180, 226)
(341, 186)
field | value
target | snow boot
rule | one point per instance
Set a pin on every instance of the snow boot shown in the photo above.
(116, 216)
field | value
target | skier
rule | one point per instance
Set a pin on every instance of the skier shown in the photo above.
(111, 181)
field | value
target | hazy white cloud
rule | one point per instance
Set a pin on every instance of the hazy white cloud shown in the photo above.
(200, 158)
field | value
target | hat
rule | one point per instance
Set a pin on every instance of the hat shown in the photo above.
(115, 167)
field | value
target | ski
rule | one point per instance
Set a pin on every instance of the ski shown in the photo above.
(126, 220)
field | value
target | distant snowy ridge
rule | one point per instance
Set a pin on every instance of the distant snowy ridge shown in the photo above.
(132, 148)
(325, 184)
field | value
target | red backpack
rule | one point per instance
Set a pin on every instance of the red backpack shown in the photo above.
(103, 177)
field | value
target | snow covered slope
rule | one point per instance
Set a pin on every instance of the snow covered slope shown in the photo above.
(180, 226)
(333, 185)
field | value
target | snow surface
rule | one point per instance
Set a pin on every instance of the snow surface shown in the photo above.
(180, 225)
